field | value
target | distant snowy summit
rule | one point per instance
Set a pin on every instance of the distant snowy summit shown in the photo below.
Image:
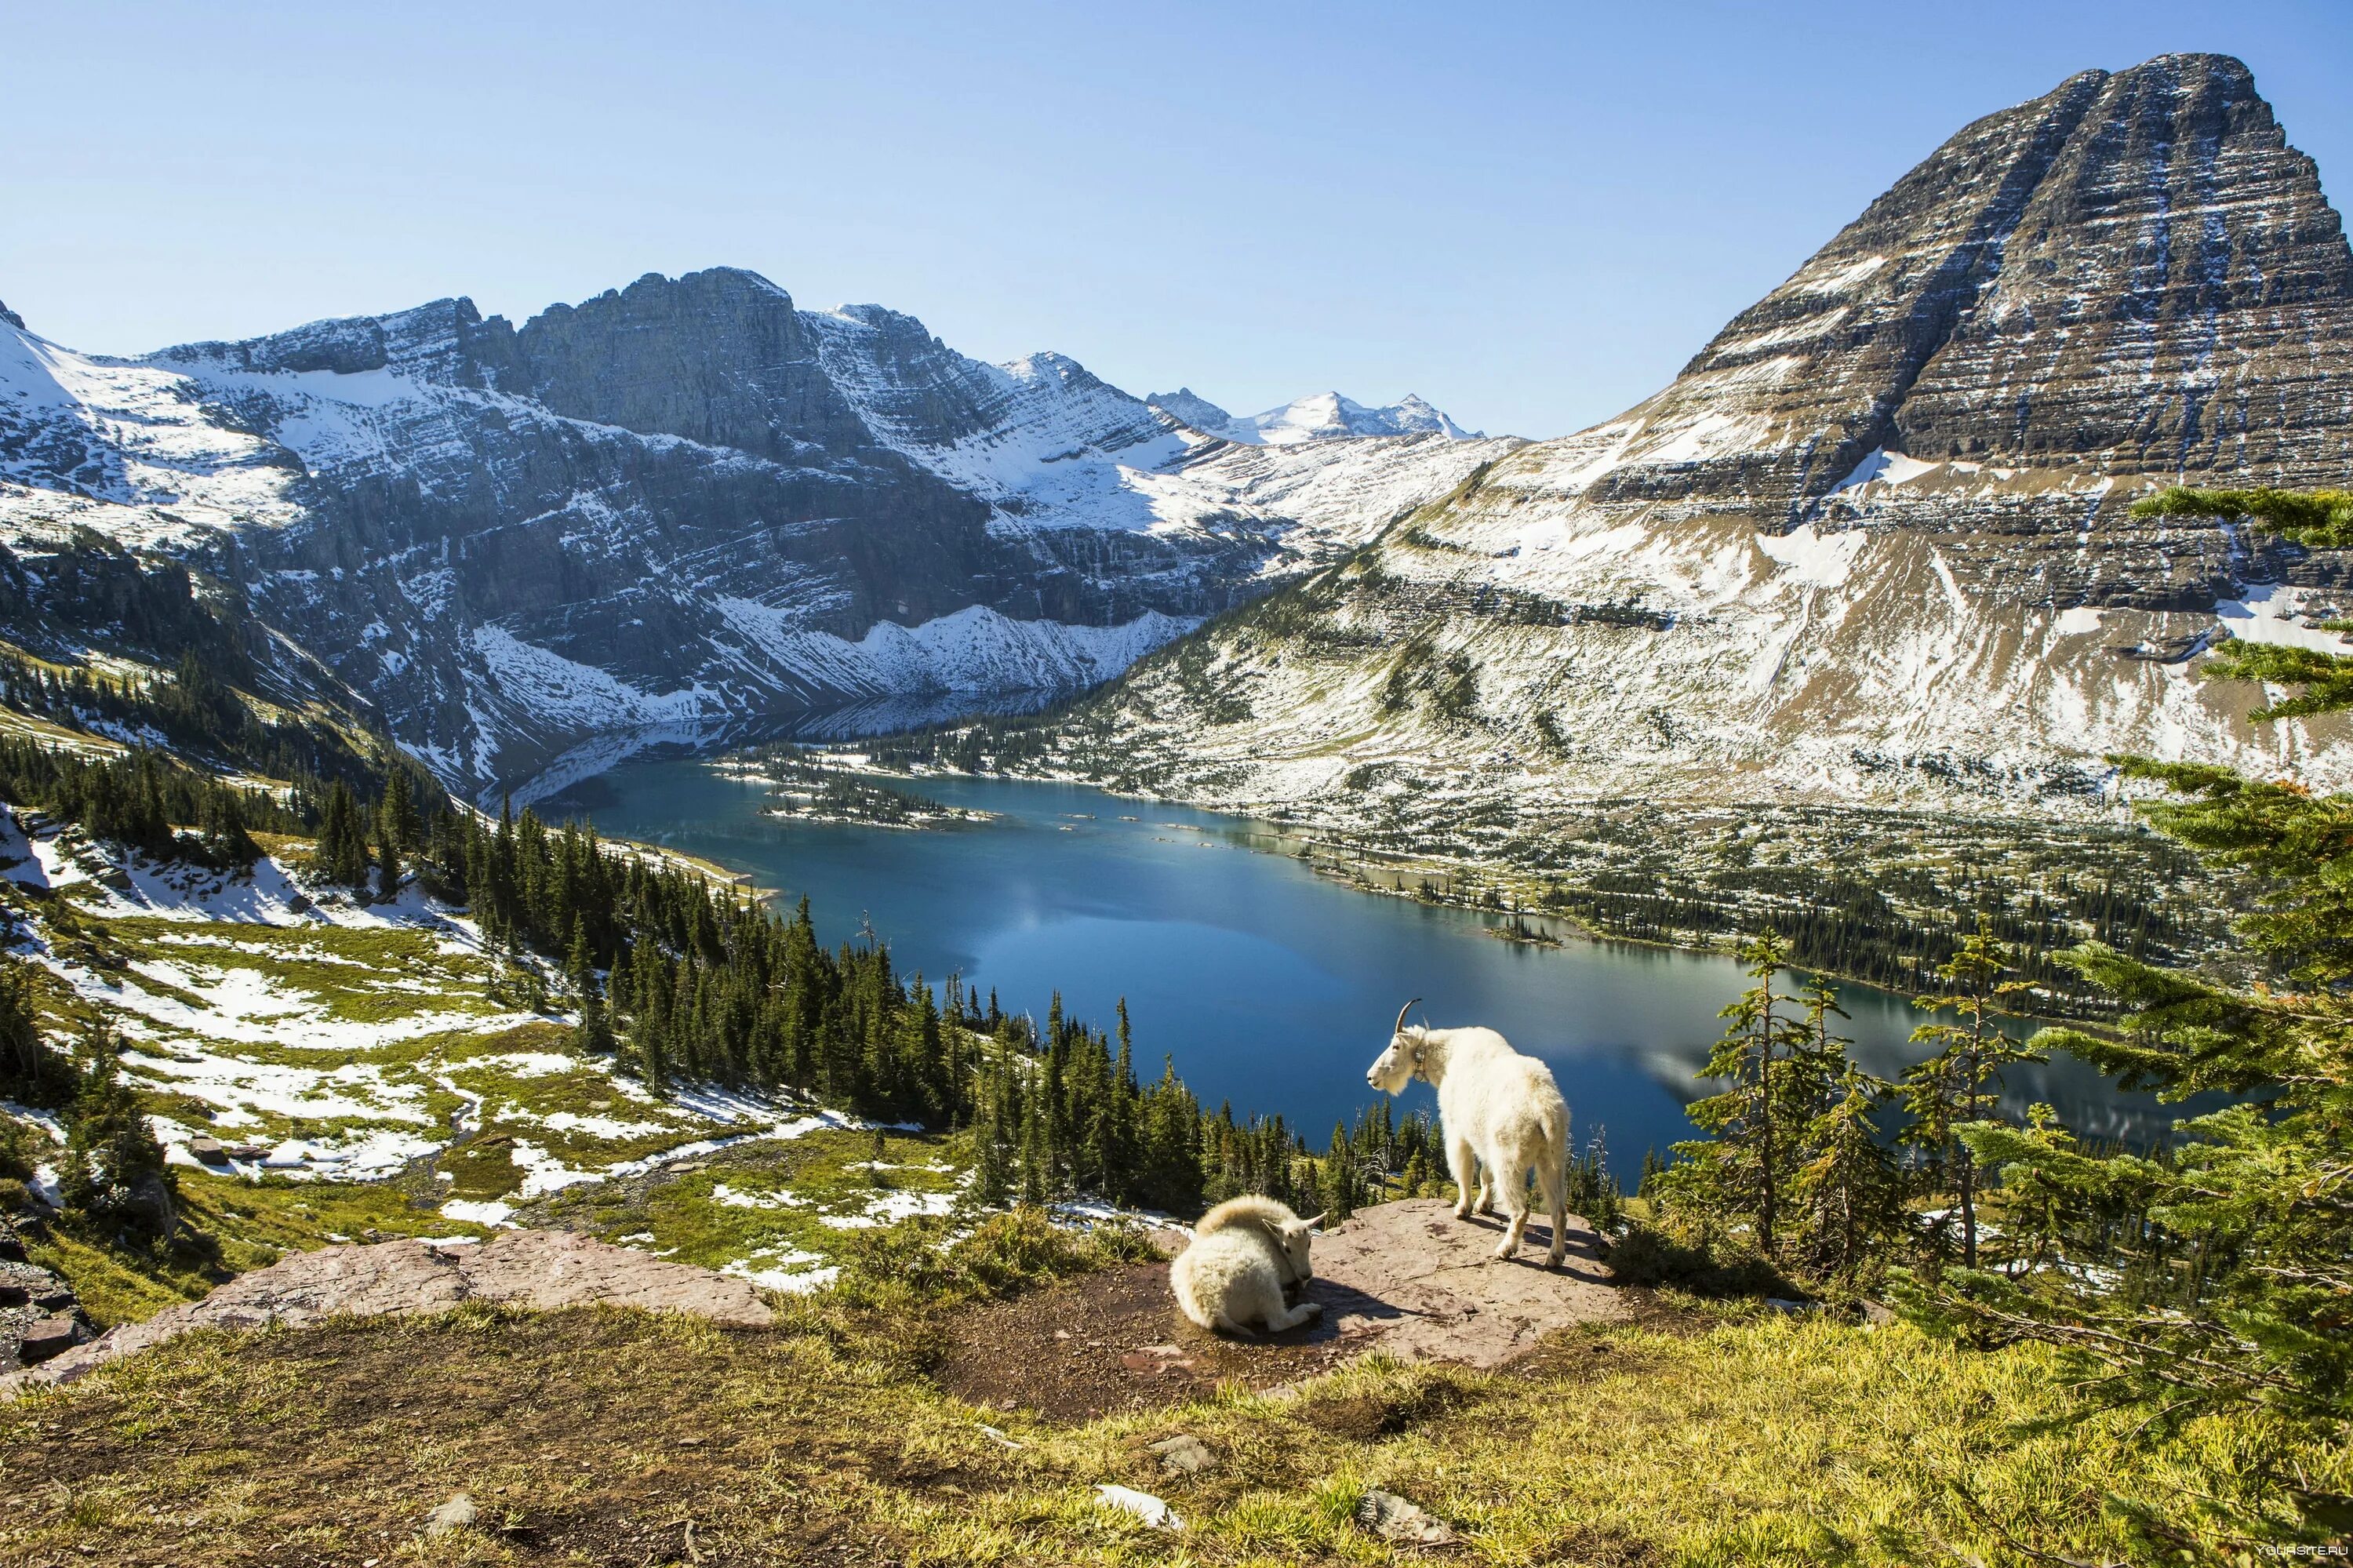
(1319, 416)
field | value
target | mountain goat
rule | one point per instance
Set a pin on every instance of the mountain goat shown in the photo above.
(1500, 1113)
(1272, 1220)
(1247, 1256)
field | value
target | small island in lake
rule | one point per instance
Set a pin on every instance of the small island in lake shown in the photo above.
(813, 786)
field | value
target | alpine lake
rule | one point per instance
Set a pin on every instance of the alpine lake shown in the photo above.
(1270, 986)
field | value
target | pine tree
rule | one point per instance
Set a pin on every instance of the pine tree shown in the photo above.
(398, 822)
(113, 1167)
(343, 851)
(1744, 1166)
(221, 821)
(1337, 1183)
(595, 1035)
(388, 871)
(31, 1072)
(2212, 1275)
(1851, 1189)
(1960, 1083)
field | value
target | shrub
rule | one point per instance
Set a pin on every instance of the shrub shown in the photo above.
(1703, 1265)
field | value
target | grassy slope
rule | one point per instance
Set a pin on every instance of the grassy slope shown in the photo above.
(598, 1435)
(251, 1032)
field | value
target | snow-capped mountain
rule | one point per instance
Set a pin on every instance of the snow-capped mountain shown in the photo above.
(678, 506)
(1319, 416)
(1875, 543)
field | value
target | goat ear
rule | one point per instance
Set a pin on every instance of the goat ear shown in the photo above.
(1311, 1221)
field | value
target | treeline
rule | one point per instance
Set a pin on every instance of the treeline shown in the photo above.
(197, 710)
(685, 980)
(1841, 925)
(982, 745)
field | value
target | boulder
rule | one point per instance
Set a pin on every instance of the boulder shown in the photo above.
(40, 1316)
(47, 1338)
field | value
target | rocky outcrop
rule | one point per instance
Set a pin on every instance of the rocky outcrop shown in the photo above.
(1412, 1281)
(1874, 543)
(543, 1269)
(41, 1318)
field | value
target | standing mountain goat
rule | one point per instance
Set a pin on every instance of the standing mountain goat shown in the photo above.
(1248, 1254)
(1500, 1113)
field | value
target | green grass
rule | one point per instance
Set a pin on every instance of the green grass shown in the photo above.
(819, 1171)
(596, 1436)
(356, 975)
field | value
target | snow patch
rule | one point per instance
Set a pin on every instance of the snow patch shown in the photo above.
(2272, 613)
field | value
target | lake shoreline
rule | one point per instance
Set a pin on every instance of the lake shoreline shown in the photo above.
(1264, 975)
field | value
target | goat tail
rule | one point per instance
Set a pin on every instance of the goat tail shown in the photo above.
(1558, 1121)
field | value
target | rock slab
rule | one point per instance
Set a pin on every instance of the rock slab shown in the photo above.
(545, 1269)
(1411, 1279)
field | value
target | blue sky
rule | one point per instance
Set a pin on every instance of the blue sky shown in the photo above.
(1531, 215)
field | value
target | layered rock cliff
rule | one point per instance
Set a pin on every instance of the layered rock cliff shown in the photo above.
(1873, 543)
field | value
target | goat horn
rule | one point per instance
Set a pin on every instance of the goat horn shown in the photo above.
(1399, 1025)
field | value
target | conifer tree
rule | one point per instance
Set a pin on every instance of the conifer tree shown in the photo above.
(31, 1072)
(1960, 1083)
(1745, 1165)
(398, 822)
(2212, 1275)
(595, 1035)
(113, 1167)
(1849, 1186)
(388, 871)
(225, 841)
(1337, 1181)
(343, 851)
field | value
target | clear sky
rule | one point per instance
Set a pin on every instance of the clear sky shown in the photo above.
(1532, 215)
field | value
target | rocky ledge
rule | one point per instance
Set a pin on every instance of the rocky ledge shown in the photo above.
(40, 1318)
(544, 1269)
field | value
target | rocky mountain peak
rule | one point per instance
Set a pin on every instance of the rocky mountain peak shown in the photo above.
(1875, 542)
(446, 342)
(1318, 417)
(721, 357)
(11, 317)
(1189, 409)
(2094, 277)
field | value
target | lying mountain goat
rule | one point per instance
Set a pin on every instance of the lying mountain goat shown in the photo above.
(1247, 1255)
(1500, 1112)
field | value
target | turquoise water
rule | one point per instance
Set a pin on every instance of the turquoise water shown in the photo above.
(1270, 985)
